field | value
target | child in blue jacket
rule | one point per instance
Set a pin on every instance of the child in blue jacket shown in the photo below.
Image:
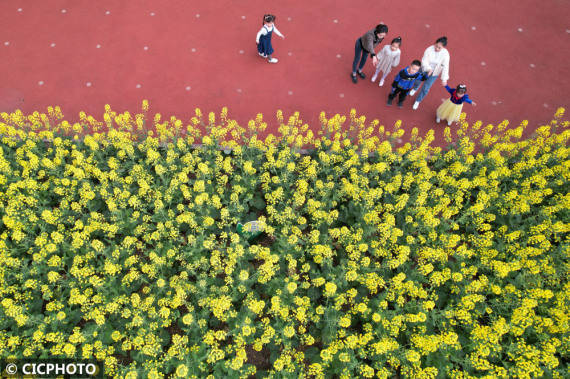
(404, 82)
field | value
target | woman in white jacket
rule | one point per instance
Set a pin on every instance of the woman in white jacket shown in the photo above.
(435, 63)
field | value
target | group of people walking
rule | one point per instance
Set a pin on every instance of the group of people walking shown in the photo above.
(424, 73)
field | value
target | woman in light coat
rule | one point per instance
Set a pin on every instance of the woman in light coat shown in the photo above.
(435, 63)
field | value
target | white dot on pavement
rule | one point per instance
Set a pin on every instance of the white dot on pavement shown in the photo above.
(138, 86)
(473, 28)
(341, 95)
(545, 105)
(6, 43)
(63, 11)
(289, 53)
(187, 88)
(288, 18)
(197, 15)
(483, 63)
(243, 17)
(52, 45)
(335, 21)
(568, 31)
(152, 13)
(108, 12)
(98, 46)
(41, 83)
(338, 55)
(290, 92)
(193, 50)
(239, 90)
(520, 29)
(532, 65)
(494, 102)
(427, 25)
(241, 51)
(20, 9)
(88, 84)
(146, 47)
(442, 99)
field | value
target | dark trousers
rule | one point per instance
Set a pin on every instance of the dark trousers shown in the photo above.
(403, 93)
(359, 55)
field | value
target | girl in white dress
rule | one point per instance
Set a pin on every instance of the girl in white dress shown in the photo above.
(389, 57)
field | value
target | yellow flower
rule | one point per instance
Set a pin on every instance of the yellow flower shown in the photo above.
(182, 371)
(291, 287)
(330, 289)
(344, 322)
(188, 319)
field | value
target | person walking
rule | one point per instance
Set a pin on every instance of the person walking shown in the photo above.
(263, 38)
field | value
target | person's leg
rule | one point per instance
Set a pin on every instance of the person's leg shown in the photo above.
(381, 83)
(357, 54)
(392, 95)
(425, 88)
(376, 72)
(402, 97)
(362, 62)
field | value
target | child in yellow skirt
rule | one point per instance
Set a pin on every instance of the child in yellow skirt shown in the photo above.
(450, 109)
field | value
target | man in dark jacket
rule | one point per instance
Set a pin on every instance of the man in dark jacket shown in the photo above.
(365, 45)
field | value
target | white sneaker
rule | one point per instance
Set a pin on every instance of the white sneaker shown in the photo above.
(262, 55)
(416, 105)
(438, 120)
(381, 83)
(412, 93)
(272, 60)
(373, 78)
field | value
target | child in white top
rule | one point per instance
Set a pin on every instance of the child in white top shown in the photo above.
(263, 38)
(389, 57)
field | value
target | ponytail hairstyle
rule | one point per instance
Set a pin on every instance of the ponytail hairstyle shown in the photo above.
(268, 18)
(380, 28)
(442, 40)
(397, 40)
(461, 88)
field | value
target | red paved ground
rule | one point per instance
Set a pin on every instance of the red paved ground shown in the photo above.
(513, 55)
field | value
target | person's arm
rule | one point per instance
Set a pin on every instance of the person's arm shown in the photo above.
(368, 43)
(396, 60)
(260, 33)
(445, 71)
(468, 100)
(449, 89)
(277, 32)
(422, 77)
(426, 59)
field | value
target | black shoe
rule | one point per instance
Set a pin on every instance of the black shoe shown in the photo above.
(400, 105)
(389, 101)
(361, 74)
(354, 80)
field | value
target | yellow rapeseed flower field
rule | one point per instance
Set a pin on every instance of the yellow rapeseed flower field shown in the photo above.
(118, 242)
